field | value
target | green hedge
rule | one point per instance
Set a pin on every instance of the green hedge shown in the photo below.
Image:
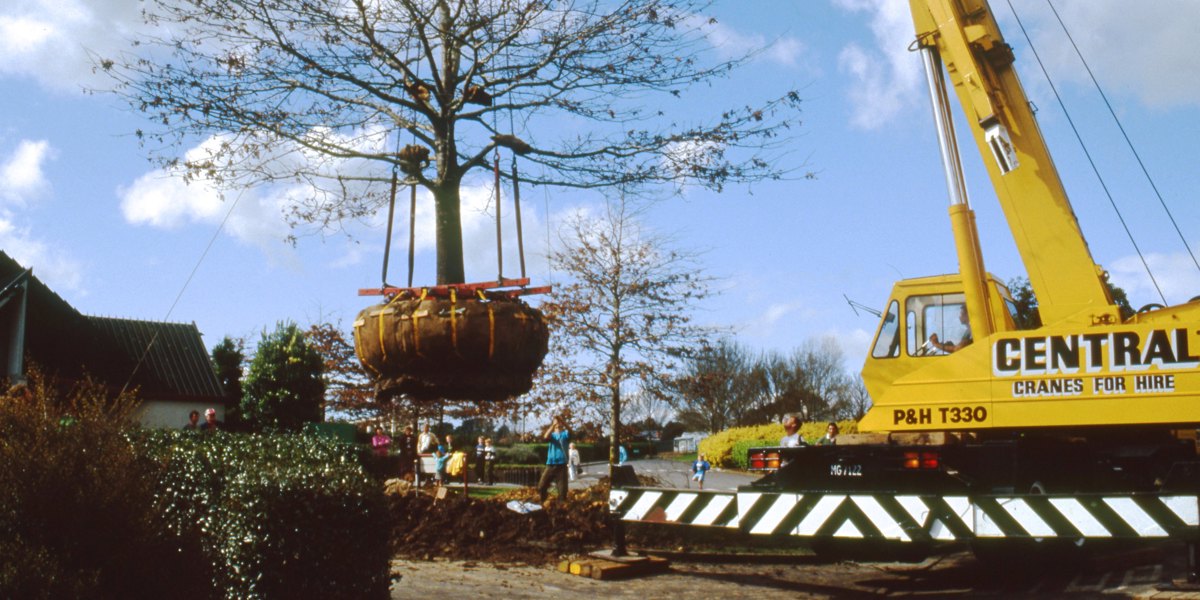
(740, 452)
(278, 516)
(728, 448)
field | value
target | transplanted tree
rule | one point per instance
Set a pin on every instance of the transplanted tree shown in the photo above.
(284, 388)
(622, 317)
(321, 94)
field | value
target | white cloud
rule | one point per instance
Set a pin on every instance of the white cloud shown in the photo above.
(1147, 51)
(730, 43)
(164, 200)
(888, 77)
(1175, 274)
(49, 40)
(52, 266)
(21, 176)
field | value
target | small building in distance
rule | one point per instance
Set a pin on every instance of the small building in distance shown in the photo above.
(689, 441)
(166, 363)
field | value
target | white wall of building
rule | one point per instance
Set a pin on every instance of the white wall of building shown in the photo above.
(173, 415)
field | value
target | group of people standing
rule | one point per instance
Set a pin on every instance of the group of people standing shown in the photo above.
(210, 424)
(410, 449)
(792, 439)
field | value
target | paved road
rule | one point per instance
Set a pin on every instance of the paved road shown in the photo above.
(672, 474)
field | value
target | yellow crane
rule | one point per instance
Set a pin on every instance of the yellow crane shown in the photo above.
(1084, 366)
(1082, 428)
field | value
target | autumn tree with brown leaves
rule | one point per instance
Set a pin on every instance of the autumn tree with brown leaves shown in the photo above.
(348, 387)
(319, 96)
(622, 317)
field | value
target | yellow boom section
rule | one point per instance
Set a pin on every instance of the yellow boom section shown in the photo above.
(1066, 280)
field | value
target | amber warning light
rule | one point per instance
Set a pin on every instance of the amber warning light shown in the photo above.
(921, 460)
(764, 460)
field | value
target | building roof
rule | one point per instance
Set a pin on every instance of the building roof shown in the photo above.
(171, 354)
(70, 345)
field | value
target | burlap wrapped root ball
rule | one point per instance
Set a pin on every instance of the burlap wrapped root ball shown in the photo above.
(467, 349)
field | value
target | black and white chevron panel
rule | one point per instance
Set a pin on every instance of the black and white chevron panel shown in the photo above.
(682, 507)
(912, 518)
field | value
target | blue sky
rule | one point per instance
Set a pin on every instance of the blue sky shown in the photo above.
(80, 203)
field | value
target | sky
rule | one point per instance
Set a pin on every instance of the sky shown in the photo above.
(115, 236)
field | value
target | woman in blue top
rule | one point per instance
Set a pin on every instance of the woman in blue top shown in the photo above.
(556, 459)
(699, 468)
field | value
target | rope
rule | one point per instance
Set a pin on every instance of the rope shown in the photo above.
(1128, 142)
(499, 238)
(387, 244)
(182, 289)
(517, 207)
(412, 232)
(1088, 154)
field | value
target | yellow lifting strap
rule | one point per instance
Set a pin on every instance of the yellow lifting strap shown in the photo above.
(416, 315)
(491, 325)
(453, 321)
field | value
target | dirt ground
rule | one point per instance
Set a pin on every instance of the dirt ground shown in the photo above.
(458, 547)
(952, 576)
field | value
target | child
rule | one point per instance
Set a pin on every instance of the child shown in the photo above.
(699, 468)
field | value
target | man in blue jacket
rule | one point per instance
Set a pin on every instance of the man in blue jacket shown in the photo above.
(556, 459)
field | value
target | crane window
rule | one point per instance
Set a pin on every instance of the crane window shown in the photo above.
(941, 314)
(887, 341)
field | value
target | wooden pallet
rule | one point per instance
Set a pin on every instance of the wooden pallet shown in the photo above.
(604, 569)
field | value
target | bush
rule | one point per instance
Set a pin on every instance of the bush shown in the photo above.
(740, 453)
(78, 510)
(522, 454)
(282, 515)
(725, 449)
(814, 430)
(718, 448)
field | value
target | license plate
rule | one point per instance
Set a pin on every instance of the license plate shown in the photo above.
(840, 470)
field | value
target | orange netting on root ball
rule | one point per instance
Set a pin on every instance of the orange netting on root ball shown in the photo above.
(452, 348)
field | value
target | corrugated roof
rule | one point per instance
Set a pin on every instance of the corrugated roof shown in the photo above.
(71, 345)
(174, 356)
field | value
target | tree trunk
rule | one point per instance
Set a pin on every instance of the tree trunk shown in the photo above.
(447, 201)
(614, 438)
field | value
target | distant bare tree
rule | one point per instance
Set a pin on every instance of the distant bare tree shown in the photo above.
(623, 316)
(311, 92)
(858, 401)
(717, 387)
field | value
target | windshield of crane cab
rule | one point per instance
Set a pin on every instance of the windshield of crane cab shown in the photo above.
(941, 314)
(887, 341)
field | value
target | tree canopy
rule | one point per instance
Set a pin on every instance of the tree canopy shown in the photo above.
(332, 98)
(284, 387)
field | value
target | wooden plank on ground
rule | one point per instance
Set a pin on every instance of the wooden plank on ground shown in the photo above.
(599, 568)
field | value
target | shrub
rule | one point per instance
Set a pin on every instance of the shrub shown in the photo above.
(740, 452)
(721, 448)
(278, 515)
(78, 510)
(522, 454)
(718, 448)
(814, 430)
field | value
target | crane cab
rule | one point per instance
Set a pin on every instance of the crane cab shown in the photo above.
(910, 377)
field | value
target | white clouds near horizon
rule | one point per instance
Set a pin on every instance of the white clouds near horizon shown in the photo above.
(22, 177)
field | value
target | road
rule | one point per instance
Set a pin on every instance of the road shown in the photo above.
(671, 474)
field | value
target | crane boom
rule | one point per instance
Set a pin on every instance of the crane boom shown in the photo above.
(1064, 277)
